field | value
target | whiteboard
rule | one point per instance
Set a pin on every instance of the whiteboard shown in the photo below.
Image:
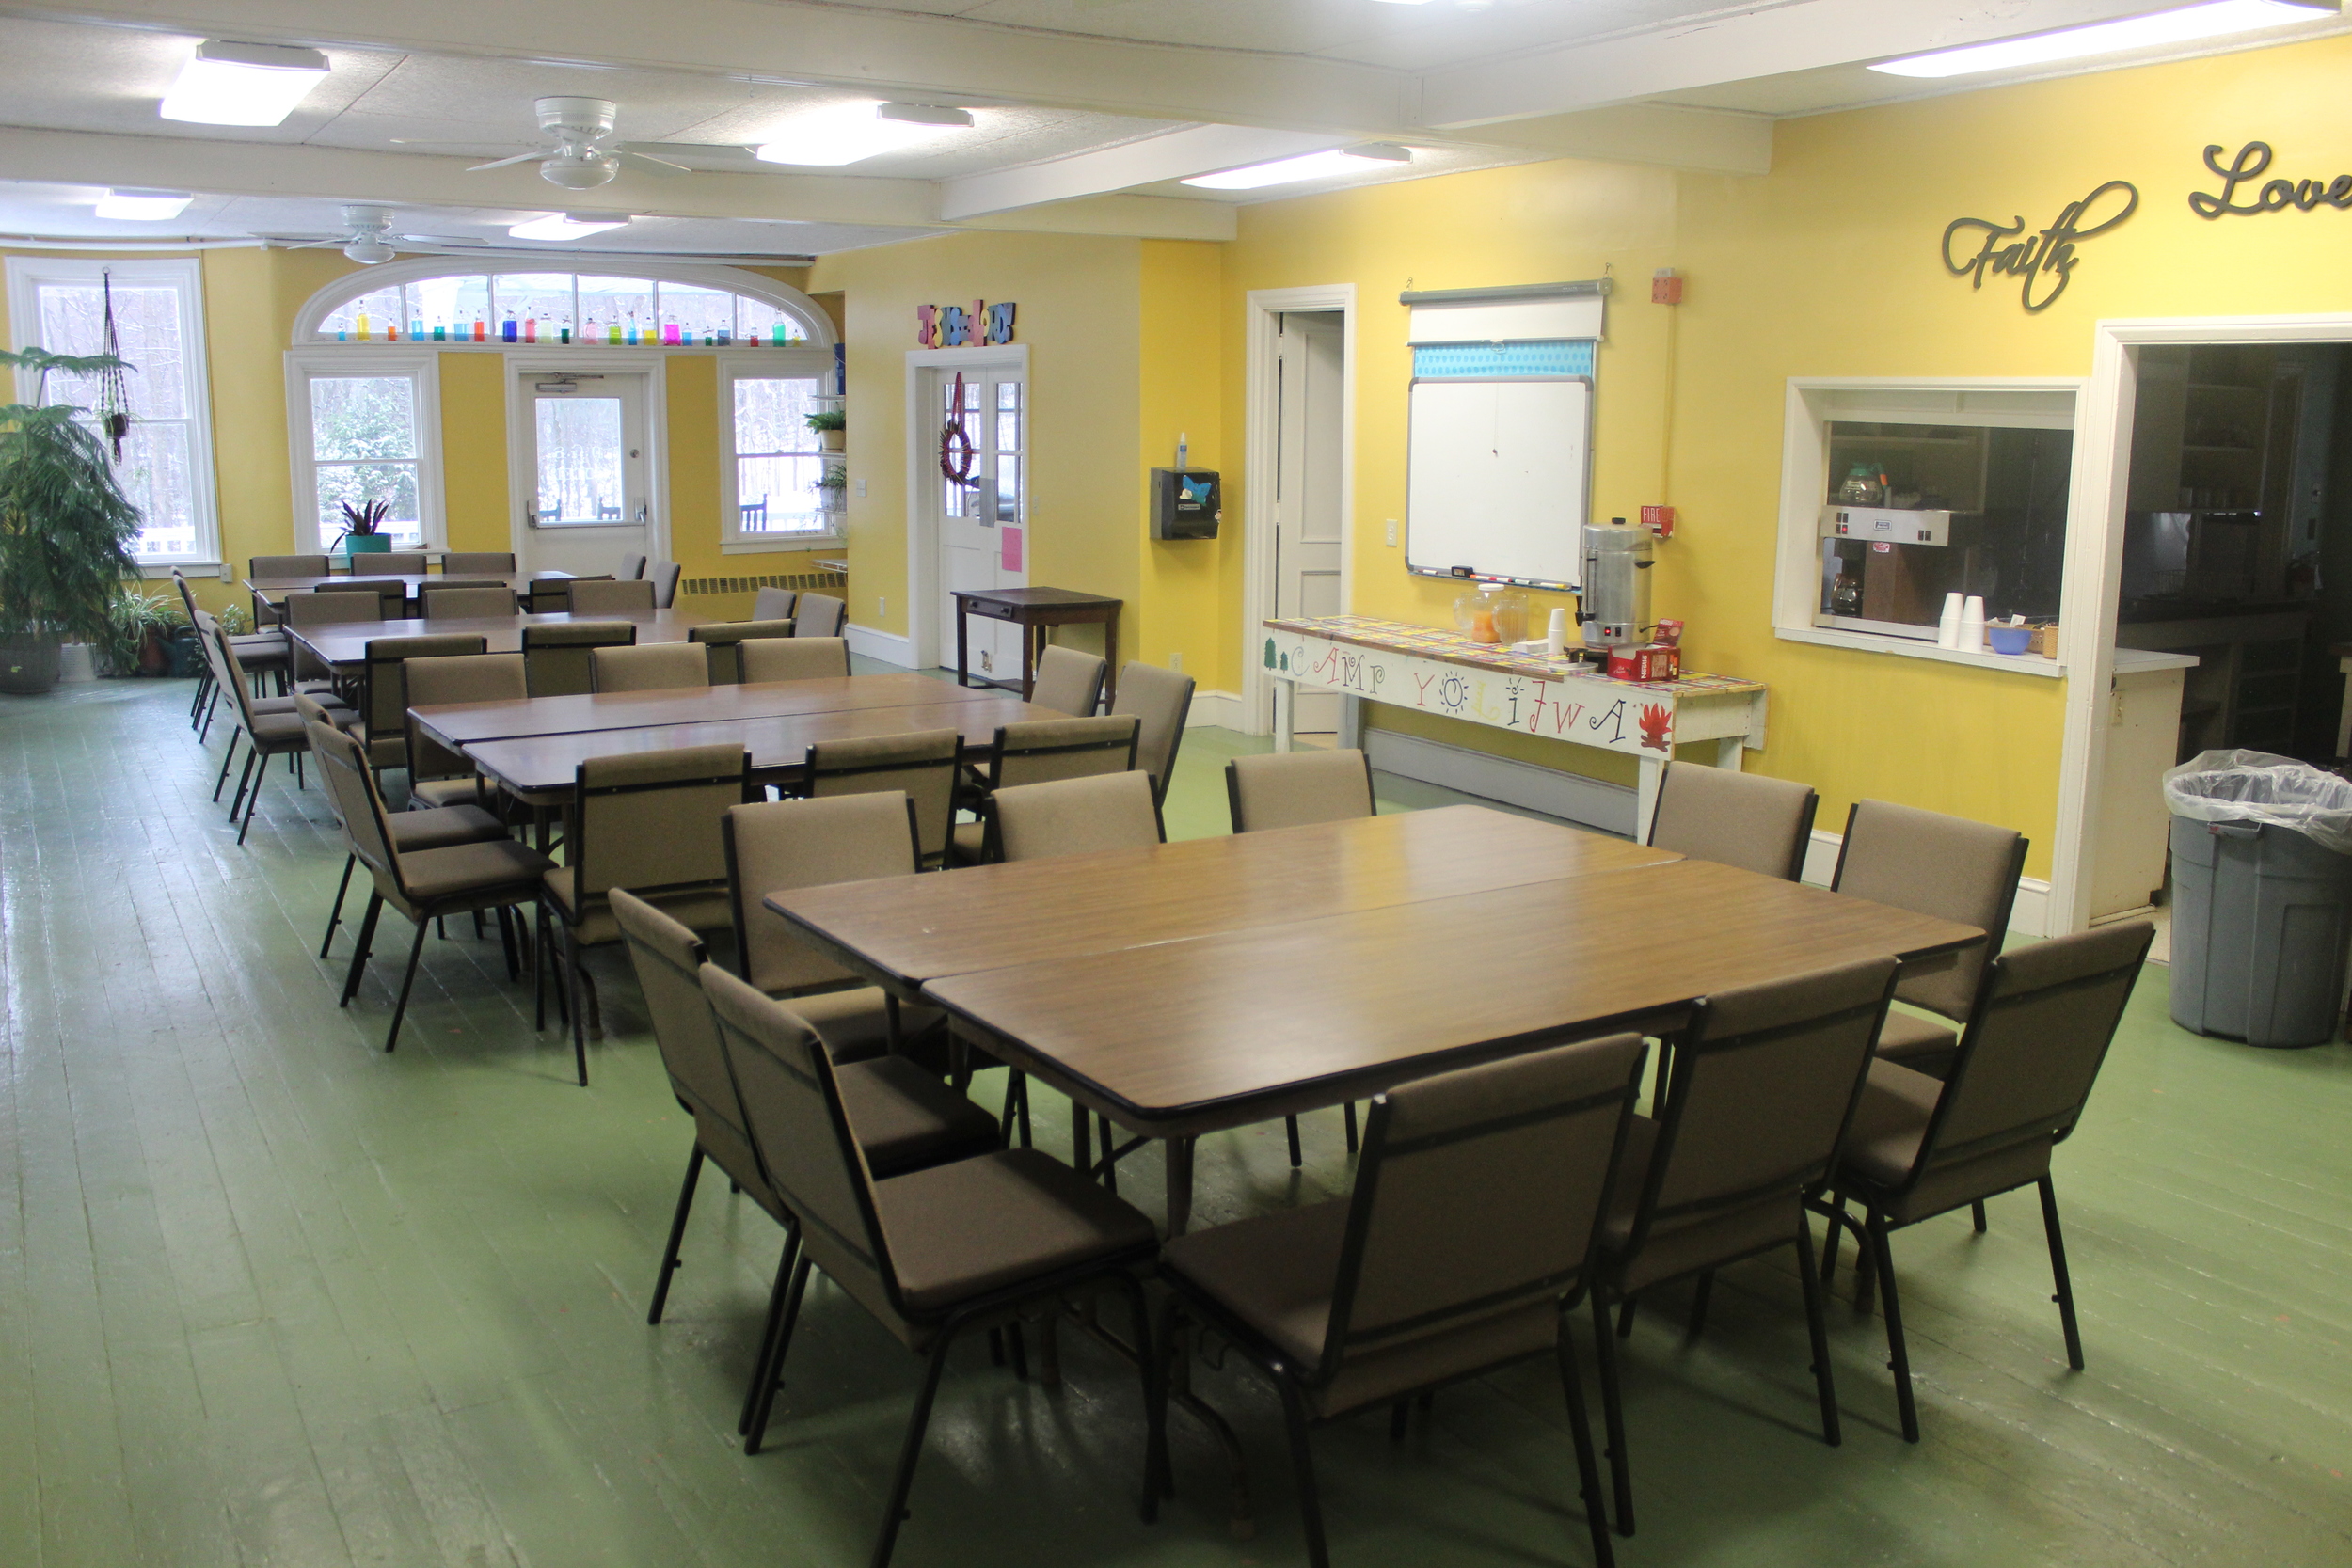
(1496, 477)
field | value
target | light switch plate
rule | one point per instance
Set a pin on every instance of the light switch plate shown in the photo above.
(1392, 533)
(861, 488)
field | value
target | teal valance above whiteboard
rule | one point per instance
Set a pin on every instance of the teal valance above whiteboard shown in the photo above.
(1533, 356)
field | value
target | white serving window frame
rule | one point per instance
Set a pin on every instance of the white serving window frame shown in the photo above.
(345, 361)
(185, 278)
(2049, 403)
(766, 364)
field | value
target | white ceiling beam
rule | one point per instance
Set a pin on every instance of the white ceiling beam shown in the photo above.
(1194, 149)
(1150, 217)
(1765, 42)
(1716, 140)
(891, 54)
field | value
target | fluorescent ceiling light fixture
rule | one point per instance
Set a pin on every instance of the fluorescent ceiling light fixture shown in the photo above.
(1311, 165)
(847, 133)
(143, 206)
(243, 84)
(567, 226)
(2108, 37)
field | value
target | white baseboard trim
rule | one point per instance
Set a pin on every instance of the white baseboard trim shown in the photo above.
(1594, 802)
(2029, 916)
(1220, 709)
(889, 647)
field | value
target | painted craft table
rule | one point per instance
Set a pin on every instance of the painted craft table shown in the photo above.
(1442, 671)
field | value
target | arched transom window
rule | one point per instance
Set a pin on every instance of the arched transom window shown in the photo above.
(436, 304)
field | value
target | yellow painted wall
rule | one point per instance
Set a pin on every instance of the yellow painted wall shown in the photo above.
(1080, 300)
(1183, 608)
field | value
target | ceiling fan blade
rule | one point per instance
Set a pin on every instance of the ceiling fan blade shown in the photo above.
(314, 245)
(518, 158)
(644, 164)
(460, 145)
(439, 239)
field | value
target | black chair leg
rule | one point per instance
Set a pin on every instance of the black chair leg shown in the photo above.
(1017, 1351)
(225, 758)
(579, 1013)
(335, 915)
(1303, 1466)
(400, 1009)
(1898, 1354)
(2065, 1297)
(1816, 1325)
(1626, 1309)
(1348, 1111)
(360, 948)
(1290, 1125)
(1612, 1417)
(1699, 1297)
(244, 776)
(212, 707)
(1587, 1466)
(1976, 1213)
(918, 1422)
(771, 1371)
(506, 941)
(677, 1233)
(1109, 1142)
(765, 1357)
(1154, 1412)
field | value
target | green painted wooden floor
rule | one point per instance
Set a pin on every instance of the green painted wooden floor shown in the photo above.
(269, 1296)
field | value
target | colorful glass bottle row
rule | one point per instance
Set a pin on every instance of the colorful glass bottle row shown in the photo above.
(616, 333)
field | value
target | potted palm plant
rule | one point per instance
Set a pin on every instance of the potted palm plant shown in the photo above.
(832, 426)
(363, 529)
(66, 527)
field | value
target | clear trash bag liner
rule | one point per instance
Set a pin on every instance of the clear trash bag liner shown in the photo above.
(2259, 786)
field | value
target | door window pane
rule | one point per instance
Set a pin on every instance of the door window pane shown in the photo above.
(962, 500)
(1008, 464)
(607, 302)
(580, 461)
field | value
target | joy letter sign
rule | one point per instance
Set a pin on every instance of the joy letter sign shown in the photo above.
(974, 326)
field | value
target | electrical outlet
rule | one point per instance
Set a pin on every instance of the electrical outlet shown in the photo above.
(1392, 533)
(860, 489)
(1176, 661)
(225, 574)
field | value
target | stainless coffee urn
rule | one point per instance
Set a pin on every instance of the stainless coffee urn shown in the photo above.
(1614, 605)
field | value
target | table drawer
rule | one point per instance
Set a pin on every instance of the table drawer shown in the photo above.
(992, 610)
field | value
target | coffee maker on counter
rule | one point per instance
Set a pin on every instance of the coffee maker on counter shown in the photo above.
(1613, 607)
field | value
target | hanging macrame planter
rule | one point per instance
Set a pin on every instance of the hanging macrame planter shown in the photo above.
(114, 392)
(957, 455)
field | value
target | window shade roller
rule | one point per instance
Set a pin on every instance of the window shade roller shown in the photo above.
(1507, 314)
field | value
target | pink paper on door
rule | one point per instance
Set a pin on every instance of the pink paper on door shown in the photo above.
(1008, 549)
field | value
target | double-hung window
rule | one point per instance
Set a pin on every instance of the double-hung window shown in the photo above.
(770, 494)
(364, 425)
(167, 465)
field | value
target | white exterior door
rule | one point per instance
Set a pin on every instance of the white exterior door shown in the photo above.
(587, 492)
(1310, 374)
(982, 522)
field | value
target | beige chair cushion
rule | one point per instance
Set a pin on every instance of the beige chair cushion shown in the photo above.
(493, 871)
(1292, 789)
(446, 792)
(962, 1230)
(855, 1023)
(794, 659)
(1678, 1247)
(1076, 816)
(969, 840)
(438, 827)
(590, 596)
(904, 1119)
(1923, 1044)
(1885, 1141)
(654, 667)
(697, 909)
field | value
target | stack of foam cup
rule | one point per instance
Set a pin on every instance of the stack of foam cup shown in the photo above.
(1947, 627)
(1972, 624)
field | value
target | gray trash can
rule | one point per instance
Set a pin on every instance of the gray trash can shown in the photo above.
(2262, 896)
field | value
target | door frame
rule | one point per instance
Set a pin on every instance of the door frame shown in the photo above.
(2094, 564)
(1262, 409)
(523, 480)
(924, 611)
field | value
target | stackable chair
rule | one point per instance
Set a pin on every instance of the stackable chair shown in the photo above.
(2014, 1090)
(632, 568)
(271, 731)
(1035, 751)
(794, 659)
(1160, 701)
(467, 601)
(386, 702)
(932, 1254)
(1293, 789)
(436, 775)
(1076, 816)
(459, 564)
(818, 616)
(553, 595)
(652, 667)
(725, 639)
(1468, 1235)
(325, 607)
(1745, 819)
(773, 604)
(1763, 1083)
(393, 564)
(920, 763)
(424, 885)
(663, 575)
(904, 1119)
(590, 596)
(1069, 681)
(560, 658)
(648, 822)
(1934, 864)
(260, 568)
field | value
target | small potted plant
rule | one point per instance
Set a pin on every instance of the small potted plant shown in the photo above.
(66, 528)
(831, 427)
(139, 634)
(363, 529)
(832, 486)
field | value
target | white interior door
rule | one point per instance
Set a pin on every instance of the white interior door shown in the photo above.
(1310, 374)
(981, 525)
(588, 497)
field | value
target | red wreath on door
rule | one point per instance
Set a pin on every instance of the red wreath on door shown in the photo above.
(957, 455)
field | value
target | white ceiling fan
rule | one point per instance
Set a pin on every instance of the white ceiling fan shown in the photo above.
(579, 154)
(369, 239)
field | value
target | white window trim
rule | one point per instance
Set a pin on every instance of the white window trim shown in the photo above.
(1804, 479)
(424, 370)
(26, 273)
(756, 364)
(351, 286)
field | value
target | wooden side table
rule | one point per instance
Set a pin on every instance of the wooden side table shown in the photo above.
(1034, 610)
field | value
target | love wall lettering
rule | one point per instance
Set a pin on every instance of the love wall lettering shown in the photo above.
(2273, 196)
(2045, 261)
